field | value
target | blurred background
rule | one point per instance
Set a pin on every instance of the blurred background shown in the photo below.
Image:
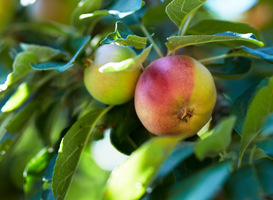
(101, 157)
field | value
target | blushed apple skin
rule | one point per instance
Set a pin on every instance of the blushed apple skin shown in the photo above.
(111, 88)
(175, 95)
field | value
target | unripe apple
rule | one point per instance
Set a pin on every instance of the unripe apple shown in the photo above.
(115, 87)
(53, 10)
(175, 95)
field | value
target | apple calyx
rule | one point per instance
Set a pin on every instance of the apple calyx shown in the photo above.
(185, 114)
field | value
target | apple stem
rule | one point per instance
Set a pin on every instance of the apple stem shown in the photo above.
(170, 53)
(141, 67)
(156, 48)
(88, 61)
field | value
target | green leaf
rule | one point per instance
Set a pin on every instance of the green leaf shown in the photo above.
(21, 66)
(122, 134)
(51, 119)
(71, 149)
(34, 172)
(139, 170)
(264, 173)
(260, 108)
(45, 29)
(220, 26)
(180, 153)
(84, 6)
(5, 119)
(13, 127)
(202, 185)
(267, 146)
(89, 181)
(232, 68)
(19, 96)
(230, 38)
(155, 15)
(24, 91)
(251, 182)
(43, 53)
(20, 120)
(179, 10)
(126, 64)
(120, 9)
(60, 67)
(124, 6)
(191, 165)
(242, 184)
(125, 37)
(96, 15)
(160, 189)
(268, 127)
(240, 106)
(265, 54)
(218, 141)
(128, 140)
(6, 139)
(47, 193)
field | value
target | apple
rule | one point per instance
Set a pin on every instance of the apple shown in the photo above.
(7, 9)
(116, 87)
(175, 95)
(53, 10)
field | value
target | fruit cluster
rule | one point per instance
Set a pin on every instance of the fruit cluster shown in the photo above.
(173, 95)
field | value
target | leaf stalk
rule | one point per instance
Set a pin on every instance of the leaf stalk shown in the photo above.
(147, 34)
(211, 59)
(184, 26)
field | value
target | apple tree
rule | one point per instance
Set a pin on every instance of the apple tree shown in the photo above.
(77, 73)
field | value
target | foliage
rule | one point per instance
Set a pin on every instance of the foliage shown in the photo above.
(49, 123)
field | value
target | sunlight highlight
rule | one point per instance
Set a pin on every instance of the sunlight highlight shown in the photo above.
(231, 9)
(27, 2)
(116, 66)
(105, 155)
(17, 98)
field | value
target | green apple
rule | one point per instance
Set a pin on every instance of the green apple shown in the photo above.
(112, 88)
(175, 95)
(53, 10)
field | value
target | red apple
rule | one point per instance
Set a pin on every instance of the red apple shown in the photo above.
(175, 95)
